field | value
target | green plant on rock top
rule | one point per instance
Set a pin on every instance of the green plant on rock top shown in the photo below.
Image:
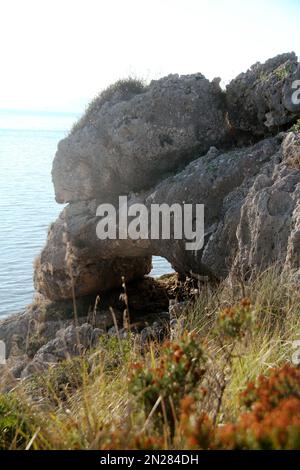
(284, 71)
(296, 127)
(124, 89)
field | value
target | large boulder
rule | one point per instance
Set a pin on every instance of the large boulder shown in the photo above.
(168, 144)
(129, 141)
(67, 268)
(68, 342)
(25, 333)
(259, 101)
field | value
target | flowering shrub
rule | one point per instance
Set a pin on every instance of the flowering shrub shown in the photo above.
(272, 420)
(280, 384)
(172, 392)
(234, 322)
(178, 373)
(195, 430)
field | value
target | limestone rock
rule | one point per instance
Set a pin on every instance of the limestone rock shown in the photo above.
(268, 230)
(62, 265)
(220, 181)
(291, 149)
(259, 101)
(130, 144)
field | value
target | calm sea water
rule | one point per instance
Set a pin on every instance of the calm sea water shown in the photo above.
(27, 204)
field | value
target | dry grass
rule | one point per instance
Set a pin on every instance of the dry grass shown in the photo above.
(86, 403)
(122, 90)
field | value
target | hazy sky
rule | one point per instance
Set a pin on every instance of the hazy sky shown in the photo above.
(57, 54)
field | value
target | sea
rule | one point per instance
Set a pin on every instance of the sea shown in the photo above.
(28, 142)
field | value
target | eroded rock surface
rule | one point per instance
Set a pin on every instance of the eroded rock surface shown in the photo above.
(249, 194)
(128, 144)
(268, 229)
(259, 101)
(131, 144)
(63, 265)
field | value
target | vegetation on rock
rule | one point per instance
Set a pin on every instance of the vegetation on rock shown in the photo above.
(122, 90)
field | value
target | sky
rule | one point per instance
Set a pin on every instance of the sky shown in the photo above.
(56, 55)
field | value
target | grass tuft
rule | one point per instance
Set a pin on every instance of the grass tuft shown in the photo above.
(122, 90)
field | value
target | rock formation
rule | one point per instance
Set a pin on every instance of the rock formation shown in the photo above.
(170, 143)
(220, 181)
(178, 140)
(259, 101)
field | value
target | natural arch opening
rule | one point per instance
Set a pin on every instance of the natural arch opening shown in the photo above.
(160, 266)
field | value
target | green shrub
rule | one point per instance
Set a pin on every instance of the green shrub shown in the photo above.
(296, 127)
(284, 71)
(123, 90)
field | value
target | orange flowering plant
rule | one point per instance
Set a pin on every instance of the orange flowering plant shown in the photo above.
(234, 322)
(178, 373)
(272, 419)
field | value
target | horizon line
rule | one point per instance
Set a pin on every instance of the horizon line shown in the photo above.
(39, 112)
